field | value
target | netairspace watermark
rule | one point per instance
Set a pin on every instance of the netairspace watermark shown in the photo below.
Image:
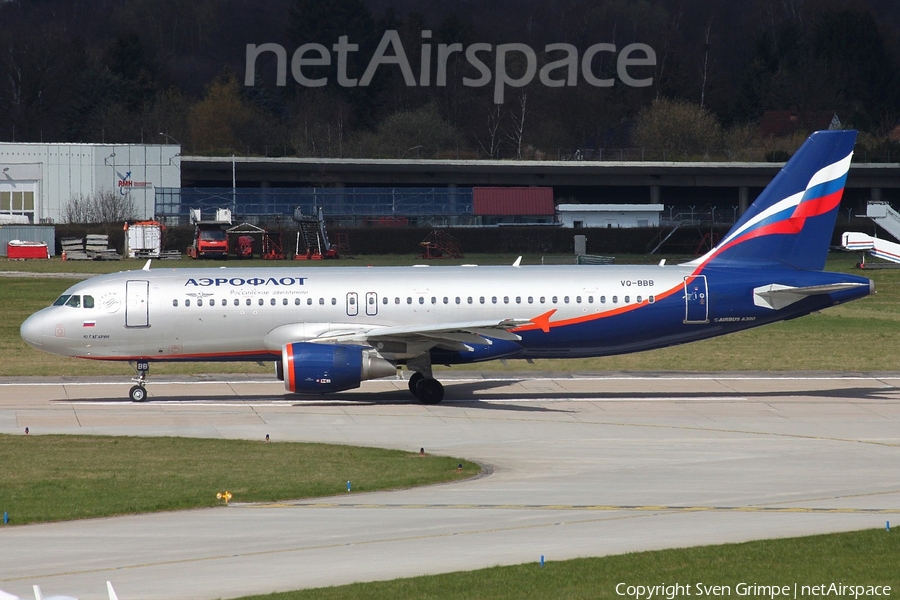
(671, 591)
(558, 73)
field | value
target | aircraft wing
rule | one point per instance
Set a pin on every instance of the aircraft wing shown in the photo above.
(451, 336)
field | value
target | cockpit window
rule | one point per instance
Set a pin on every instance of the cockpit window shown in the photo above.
(61, 300)
(88, 301)
(74, 301)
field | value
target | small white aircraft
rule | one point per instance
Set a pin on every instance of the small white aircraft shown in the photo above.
(328, 329)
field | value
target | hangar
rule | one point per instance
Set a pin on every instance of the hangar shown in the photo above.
(37, 181)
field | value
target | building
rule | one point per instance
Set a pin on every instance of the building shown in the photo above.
(37, 181)
(581, 216)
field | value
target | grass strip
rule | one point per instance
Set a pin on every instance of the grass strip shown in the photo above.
(62, 477)
(862, 558)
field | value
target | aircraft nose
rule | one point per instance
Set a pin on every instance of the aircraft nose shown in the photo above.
(33, 330)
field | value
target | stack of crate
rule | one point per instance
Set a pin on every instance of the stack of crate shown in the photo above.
(73, 249)
(96, 247)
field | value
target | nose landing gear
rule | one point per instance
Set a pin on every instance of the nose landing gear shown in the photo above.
(137, 393)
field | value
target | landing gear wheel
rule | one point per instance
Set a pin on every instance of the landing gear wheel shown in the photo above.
(414, 380)
(137, 393)
(429, 391)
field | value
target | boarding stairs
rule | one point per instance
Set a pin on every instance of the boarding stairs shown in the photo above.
(315, 244)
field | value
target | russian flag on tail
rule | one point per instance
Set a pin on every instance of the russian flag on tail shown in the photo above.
(791, 223)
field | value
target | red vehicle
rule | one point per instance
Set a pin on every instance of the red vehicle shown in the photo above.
(210, 241)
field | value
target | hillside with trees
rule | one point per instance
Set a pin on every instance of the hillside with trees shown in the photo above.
(726, 79)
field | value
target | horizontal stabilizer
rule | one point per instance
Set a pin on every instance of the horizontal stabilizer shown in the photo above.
(776, 296)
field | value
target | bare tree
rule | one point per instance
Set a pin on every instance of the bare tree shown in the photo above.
(704, 69)
(518, 125)
(495, 118)
(106, 206)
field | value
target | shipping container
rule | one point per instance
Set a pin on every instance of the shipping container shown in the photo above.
(513, 201)
(143, 239)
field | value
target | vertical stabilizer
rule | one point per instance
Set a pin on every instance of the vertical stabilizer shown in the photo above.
(792, 221)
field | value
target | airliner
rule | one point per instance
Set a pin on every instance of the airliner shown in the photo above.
(329, 329)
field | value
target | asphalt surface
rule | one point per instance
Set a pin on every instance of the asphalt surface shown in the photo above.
(576, 466)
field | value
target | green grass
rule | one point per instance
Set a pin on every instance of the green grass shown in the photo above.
(858, 558)
(839, 338)
(62, 477)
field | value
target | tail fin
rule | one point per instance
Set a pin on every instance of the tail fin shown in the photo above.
(791, 223)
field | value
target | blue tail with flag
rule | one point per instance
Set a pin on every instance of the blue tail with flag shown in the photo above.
(791, 223)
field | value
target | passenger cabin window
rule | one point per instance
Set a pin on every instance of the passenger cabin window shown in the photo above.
(237, 302)
(187, 302)
(296, 301)
(284, 301)
(249, 301)
(309, 301)
(200, 301)
(261, 301)
(615, 299)
(224, 302)
(333, 301)
(175, 302)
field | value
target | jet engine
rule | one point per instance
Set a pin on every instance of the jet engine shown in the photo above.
(323, 368)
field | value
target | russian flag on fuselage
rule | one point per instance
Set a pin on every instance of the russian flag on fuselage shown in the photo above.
(792, 221)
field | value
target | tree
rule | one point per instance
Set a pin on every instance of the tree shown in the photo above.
(106, 207)
(677, 128)
(218, 121)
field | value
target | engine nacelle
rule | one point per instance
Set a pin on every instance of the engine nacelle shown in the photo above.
(322, 368)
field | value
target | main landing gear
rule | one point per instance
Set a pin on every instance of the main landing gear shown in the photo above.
(137, 393)
(423, 385)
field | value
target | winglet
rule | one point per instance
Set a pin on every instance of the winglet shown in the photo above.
(147, 266)
(518, 262)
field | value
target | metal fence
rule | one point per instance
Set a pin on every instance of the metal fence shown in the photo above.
(173, 205)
